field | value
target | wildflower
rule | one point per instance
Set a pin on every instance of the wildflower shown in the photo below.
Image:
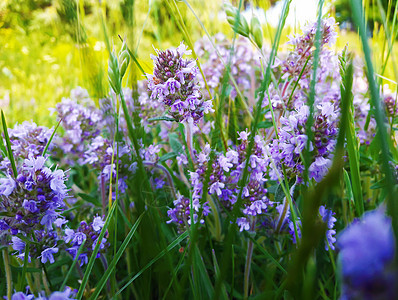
(365, 258)
(88, 233)
(33, 203)
(174, 84)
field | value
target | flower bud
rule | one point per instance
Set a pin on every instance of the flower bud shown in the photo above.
(241, 26)
(124, 59)
(256, 32)
(113, 73)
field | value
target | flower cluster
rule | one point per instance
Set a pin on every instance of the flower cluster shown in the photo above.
(68, 294)
(32, 203)
(300, 60)
(290, 104)
(27, 140)
(87, 233)
(244, 64)
(181, 213)
(227, 170)
(365, 258)
(174, 83)
(82, 122)
(99, 155)
(283, 222)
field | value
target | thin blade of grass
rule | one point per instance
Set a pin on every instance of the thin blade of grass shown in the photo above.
(8, 143)
(264, 84)
(160, 255)
(79, 251)
(51, 138)
(379, 116)
(116, 258)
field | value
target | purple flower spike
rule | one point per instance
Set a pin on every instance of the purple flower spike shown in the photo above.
(365, 256)
(174, 83)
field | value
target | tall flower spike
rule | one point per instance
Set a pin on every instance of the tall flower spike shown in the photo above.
(174, 83)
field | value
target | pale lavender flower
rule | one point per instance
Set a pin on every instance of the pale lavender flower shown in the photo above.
(47, 255)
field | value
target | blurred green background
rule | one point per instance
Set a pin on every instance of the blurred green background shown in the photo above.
(49, 47)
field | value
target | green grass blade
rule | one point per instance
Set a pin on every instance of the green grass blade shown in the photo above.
(8, 143)
(95, 252)
(51, 138)
(79, 251)
(352, 144)
(116, 258)
(25, 265)
(267, 254)
(160, 255)
(258, 109)
(379, 116)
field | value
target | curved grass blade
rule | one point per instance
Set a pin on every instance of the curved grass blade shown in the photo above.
(8, 143)
(378, 114)
(115, 260)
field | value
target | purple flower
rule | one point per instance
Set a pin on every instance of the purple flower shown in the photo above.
(7, 186)
(49, 218)
(21, 296)
(65, 295)
(30, 205)
(47, 255)
(79, 238)
(18, 244)
(98, 223)
(216, 188)
(327, 217)
(366, 248)
(174, 83)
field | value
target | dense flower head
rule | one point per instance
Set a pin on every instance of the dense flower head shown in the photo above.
(304, 45)
(174, 84)
(33, 202)
(89, 234)
(289, 101)
(181, 213)
(286, 151)
(82, 122)
(27, 140)
(365, 256)
(226, 172)
(244, 64)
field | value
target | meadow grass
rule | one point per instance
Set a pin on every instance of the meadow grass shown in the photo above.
(215, 260)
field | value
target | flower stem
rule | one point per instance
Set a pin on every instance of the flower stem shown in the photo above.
(8, 272)
(249, 255)
(188, 136)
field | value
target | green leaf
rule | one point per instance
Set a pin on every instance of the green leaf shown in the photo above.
(163, 118)
(175, 143)
(167, 156)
